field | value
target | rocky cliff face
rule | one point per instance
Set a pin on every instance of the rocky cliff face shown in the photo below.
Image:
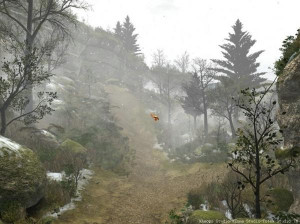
(288, 87)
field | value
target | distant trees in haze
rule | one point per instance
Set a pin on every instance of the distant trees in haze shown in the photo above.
(237, 71)
(192, 103)
(206, 77)
(197, 101)
(183, 62)
(239, 66)
(125, 32)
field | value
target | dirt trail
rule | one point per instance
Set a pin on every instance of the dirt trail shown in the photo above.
(154, 187)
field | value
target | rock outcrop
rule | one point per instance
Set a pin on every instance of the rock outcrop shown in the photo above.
(288, 117)
(22, 176)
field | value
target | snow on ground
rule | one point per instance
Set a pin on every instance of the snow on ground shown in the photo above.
(86, 175)
(151, 86)
(9, 146)
(48, 134)
(227, 213)
(158, 146)
(55, 176)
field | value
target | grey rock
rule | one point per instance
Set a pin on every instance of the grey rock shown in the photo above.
(288, 117)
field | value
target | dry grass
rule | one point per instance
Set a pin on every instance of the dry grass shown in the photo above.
(155, 185)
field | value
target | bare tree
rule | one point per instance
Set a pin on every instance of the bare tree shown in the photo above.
(183, 62)
(158, 64)
(206, 76)
(31, 18)
(222, 103)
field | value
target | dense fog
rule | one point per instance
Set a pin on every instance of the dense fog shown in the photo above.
(96, 128)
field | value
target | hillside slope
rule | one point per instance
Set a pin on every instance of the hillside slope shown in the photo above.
(154, 187)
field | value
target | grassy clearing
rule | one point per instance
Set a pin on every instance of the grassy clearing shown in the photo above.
(155, 185)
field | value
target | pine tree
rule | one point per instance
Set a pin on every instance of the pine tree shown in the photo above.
(240, 66)
(118, 31)
(192, 102)
(129, 38)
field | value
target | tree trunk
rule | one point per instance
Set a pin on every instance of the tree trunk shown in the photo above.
(28, 51)
(257, 204)
(205, 117)
(257, 186)
(231, 126)
(195, 123)
(3, 123)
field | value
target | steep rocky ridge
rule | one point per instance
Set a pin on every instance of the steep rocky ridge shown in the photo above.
(288, 87)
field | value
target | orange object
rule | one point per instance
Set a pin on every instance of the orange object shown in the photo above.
(155, 117)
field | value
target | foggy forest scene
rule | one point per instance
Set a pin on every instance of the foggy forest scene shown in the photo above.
(149, 112)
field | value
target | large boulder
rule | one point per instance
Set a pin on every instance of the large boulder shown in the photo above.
(22, 176)
(288, 117)
(73, 147)
(42, 142)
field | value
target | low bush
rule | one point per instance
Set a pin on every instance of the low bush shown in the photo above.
(280, 199)
(195, 198)
(207, 193)
(12, 212)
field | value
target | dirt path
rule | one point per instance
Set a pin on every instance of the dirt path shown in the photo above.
(155, 185)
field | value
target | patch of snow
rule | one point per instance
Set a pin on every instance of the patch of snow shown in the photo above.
(86, 175)
(227, 213)
(8, 146)
(151, 86)
(229, 133)
(58, 102)
(248, 210)
(47, 133)
(55, 176)
(204, 206)
(51, 86)
(158, 146)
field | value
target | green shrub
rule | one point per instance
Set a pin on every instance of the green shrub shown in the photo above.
(290, 46)
(209, 193)
(280, 199)
(200, 216)
(285, 217)
(46, 220)
(12, 211)
(283, 154)
(57, 194)
(195, 198)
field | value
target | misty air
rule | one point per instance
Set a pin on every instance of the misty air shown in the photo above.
(149, 112)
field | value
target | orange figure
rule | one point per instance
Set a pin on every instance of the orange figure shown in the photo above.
(155, 117)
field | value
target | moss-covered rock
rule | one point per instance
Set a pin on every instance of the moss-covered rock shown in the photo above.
(199, 216)
(73, 147)
(280, 199)
(22, 176)
(12, 212)
(287, 153)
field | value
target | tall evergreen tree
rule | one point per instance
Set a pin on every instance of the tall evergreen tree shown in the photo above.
(129, 38)
(118, 30)
(239, 66)
(192, 102)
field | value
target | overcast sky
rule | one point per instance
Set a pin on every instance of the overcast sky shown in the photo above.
(199, 26)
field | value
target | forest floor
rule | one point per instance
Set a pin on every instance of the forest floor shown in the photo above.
(155, 185)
